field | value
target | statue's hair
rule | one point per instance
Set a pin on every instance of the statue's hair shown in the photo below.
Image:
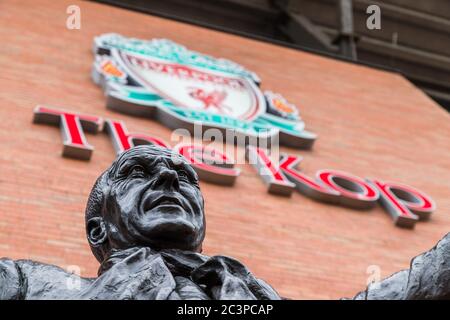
(95, 201)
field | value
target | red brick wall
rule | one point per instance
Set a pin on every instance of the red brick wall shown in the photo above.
(370, 123)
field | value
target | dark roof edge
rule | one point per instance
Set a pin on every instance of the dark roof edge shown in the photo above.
(246, 35)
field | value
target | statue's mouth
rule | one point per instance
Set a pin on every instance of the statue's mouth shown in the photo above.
(164, 200)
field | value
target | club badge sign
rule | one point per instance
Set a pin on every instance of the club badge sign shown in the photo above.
(166, 82)
(163, 80)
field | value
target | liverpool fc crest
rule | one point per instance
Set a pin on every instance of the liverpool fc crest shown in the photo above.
(179, 87)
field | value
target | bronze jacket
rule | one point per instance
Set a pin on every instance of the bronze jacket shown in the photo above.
(137, 273)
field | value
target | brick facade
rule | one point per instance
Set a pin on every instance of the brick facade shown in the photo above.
(370, 123)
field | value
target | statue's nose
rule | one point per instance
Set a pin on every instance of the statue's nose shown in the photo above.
(167, 179)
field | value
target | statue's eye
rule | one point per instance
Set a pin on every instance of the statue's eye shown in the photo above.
(183, 175)
(136, 170)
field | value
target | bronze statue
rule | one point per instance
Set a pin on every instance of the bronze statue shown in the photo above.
(145, 224)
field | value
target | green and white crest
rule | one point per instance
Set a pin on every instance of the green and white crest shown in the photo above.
(180, 88)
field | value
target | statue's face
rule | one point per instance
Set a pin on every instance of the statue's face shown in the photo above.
(153, 200)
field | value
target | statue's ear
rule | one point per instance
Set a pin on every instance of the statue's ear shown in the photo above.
(96, 231)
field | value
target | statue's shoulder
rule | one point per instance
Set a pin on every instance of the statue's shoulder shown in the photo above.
(26, 279)
(10, 280)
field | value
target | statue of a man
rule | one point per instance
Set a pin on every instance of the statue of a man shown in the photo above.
(145, 224)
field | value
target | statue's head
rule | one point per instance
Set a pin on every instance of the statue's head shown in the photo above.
(148, 197)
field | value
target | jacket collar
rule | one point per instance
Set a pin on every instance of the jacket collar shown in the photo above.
(177, 261)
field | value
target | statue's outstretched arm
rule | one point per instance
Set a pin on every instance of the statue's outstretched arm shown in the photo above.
(10, 280)
(427, 278)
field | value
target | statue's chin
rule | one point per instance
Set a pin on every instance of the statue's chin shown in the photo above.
(167, 230)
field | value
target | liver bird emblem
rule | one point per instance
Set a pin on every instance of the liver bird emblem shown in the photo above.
(212, 99)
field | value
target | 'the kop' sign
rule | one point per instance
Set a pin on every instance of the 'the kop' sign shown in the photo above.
(181, 88)
(405, 204)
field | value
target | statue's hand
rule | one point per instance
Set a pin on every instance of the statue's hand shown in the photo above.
(428, 278)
